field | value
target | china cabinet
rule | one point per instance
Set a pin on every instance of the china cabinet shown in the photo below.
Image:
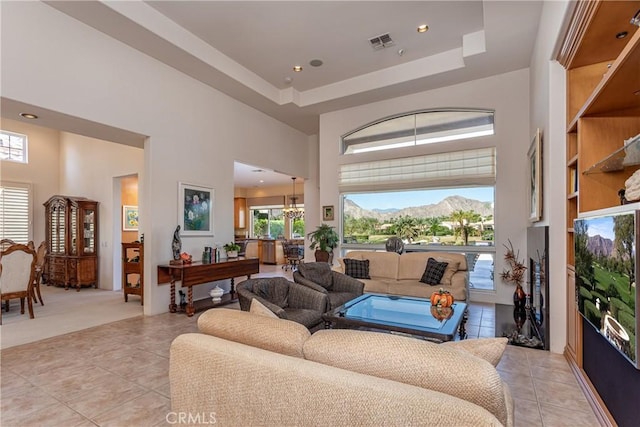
(72, 240)
(133, 270)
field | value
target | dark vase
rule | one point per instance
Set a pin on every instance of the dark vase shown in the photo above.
(519, 297)
(323, 256)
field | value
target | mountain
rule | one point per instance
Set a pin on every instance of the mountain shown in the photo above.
(443, 208)
(599, 245)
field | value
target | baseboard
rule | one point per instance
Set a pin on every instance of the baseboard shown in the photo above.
(599, 408)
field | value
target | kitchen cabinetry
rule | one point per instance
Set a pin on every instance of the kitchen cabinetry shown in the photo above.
(71, 227)
(133, 270)
(240, 212)
(603, 110)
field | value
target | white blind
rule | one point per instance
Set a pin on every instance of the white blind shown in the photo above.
(468, 167)
(15, 212)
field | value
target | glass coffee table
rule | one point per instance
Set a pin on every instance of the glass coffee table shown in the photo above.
(400, 314)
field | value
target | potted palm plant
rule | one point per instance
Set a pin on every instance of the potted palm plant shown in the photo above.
(323, 240)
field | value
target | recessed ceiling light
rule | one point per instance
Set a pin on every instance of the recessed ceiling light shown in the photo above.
(423, 28)
(261, 181)
(297, 68)
(315, 62)
(622, 34)
(28, 116)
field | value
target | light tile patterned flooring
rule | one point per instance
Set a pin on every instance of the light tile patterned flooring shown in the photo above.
(117, 375)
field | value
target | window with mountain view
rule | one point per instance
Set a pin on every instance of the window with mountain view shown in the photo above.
(438, 197)
(453, 216)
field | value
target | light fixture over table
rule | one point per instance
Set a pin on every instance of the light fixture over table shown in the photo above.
(293, 212)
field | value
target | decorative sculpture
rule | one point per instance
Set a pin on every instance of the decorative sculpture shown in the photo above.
(176, 245)
(632, 187)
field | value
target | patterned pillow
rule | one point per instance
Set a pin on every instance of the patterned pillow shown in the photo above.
(356, 268)
(434, 272)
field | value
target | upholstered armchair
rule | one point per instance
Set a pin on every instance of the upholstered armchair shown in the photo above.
(285, 299)
(338, 287)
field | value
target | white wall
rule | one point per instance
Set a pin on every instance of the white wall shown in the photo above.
(548, 114)
(87, 168)
(508, 95)
(42, 171)
(195, 133)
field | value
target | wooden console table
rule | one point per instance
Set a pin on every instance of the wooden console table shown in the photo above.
(198, 273)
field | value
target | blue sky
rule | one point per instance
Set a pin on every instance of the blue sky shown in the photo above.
(601, 226)
(404, 199)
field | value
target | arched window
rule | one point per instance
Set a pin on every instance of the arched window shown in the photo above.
(418, 128)
(433, 199)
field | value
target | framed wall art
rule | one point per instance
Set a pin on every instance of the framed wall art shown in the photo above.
(129, 218)
(195, 210)
(327, 213)
(535, 178)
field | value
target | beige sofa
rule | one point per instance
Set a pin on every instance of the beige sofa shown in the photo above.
(246, 369)
(400, 274)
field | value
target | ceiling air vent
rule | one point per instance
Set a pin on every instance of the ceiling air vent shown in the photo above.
(381, 41)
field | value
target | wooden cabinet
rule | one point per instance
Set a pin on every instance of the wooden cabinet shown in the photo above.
(574, 330)
(603, 111)
(240, 212)
(71, 227)
(133, 270)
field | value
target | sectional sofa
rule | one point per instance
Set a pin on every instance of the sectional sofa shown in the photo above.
(247, 369)
(391, 273)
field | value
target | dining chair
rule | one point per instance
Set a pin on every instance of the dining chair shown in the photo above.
(293, 255)
(18, 264)
(5, 243)
(41, 255)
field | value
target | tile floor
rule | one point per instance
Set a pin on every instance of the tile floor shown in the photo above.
(117, 375)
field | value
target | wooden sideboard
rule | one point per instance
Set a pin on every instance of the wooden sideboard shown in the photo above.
(197, 273)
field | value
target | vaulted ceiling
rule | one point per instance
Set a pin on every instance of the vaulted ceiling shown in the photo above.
(247, 49)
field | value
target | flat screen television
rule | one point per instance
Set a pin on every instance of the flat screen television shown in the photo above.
(606, 266)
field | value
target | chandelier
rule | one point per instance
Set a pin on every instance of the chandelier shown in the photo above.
(292, 212)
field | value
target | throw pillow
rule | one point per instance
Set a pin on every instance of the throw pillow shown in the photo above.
(317, 272)
(433, 272)
(452, 267)
(356, 268)
(489, 349)
(260, 309)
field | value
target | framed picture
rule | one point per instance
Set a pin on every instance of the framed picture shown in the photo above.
(129, 218)
(195, 210)
(327, 213)
(535, 177)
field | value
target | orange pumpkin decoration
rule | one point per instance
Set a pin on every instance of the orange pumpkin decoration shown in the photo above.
(441, 313)
(442, 298)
